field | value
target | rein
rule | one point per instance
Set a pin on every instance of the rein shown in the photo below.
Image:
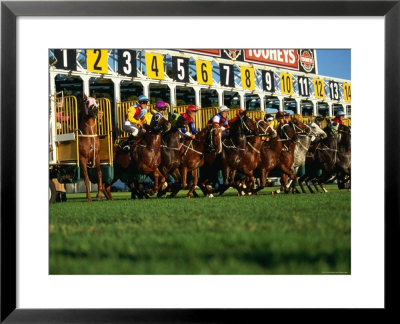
(190, 147)
(232, 147)
(172, 148)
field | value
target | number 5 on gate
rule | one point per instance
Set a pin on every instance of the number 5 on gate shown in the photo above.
(154, 66)
(97, 60)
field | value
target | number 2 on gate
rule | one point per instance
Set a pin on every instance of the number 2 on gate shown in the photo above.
(154, 66)
(97, 60)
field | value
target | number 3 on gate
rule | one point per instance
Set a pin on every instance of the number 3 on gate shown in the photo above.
(154, 66)
(97, 60)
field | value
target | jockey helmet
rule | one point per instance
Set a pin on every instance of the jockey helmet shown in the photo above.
(319, 119)
(143, 98)
(340, 113)
(286, 114)
(191, 108)
(223, 108)
(161, 105)
(279, 115)
(268, 118)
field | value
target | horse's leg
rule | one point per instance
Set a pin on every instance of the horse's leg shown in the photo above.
(99, 178)
(300, 181)
(184, 176)
(194, 183)
(82, 163)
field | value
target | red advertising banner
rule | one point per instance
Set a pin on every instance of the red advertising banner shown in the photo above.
(213, 52)
(279, 57)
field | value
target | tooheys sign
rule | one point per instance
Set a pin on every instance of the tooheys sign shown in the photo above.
(294, 59)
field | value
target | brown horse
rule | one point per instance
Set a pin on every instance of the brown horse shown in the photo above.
(288, 137)
(146, 154)
(89, 144)
(193, 153)
(241, 152)
(171, 156)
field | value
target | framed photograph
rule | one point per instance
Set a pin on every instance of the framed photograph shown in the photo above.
(79, 58)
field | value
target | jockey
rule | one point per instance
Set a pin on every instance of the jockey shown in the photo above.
(339, 117)
(318, 120)
(136, 118)
(269, 119)
(189, 115)
(238, 113)
(221, 119)
(161, 106)
(282, 119)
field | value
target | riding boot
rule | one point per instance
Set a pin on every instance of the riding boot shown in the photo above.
(63, 197)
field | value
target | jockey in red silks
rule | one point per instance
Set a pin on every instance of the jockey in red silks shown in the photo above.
(221, 119)
(339, 117)
(189, 115)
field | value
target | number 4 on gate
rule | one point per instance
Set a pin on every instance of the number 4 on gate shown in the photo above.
(154, 66)
(97, 60)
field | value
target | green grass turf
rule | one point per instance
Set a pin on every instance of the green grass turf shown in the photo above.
(264, 234)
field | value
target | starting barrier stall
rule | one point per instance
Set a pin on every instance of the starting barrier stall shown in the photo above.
(64, 138)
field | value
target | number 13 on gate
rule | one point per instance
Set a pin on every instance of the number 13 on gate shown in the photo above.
(97, 60)
(154, 66)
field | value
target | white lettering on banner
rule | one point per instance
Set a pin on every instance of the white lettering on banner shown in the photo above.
(292, 59)
(278, 57)
(286, 52)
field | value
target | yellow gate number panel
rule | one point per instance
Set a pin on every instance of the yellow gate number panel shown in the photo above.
(204, 72)
(286, 83)
(247, 75)
(319, 89)
(97, 60)
(154, 66)
(347, 92)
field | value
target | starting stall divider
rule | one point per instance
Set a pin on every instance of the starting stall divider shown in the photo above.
(67, 132)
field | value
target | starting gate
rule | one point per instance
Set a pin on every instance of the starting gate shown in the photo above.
(65, 136)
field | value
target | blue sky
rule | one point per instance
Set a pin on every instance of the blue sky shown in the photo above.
(334, 63)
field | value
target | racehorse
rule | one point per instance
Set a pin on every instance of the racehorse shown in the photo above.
(240, 152)
(170, 154)
(89, 144)
(344, 155)
(330, 156)
(193, 152)
(146, 153)
(305, 134)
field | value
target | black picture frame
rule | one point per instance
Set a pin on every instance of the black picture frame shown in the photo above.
(10, 10)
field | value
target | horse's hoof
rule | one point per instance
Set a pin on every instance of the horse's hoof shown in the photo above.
(210, 196)
(249, 193)
(164, 186)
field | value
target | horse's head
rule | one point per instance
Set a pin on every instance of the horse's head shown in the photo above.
(91, 106)
(264, 129)
(159, 123)
(247, 124)
(299, 127)
(181, 122)
(216, 138)
(316, 131)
